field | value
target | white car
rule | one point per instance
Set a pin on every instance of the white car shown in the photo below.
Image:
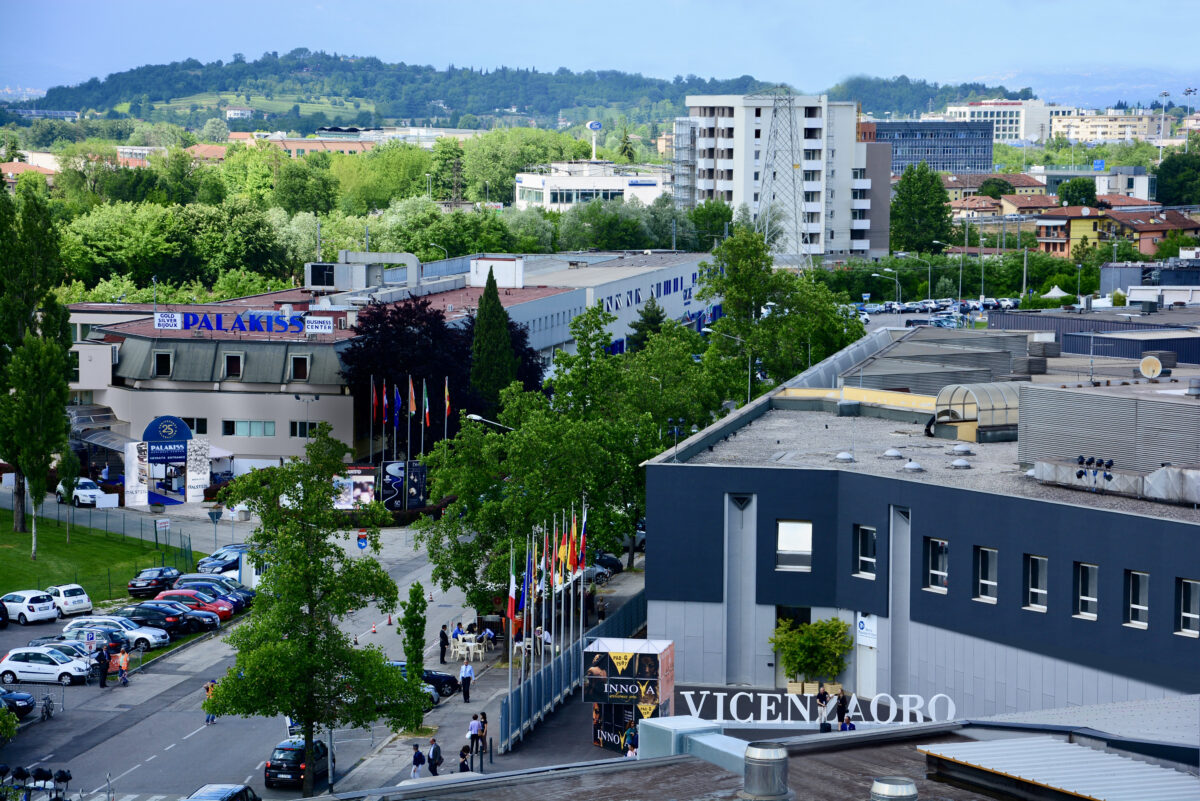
(38, 663)
(70, 599)
(144, 637)
(86, 493)
(29, 606)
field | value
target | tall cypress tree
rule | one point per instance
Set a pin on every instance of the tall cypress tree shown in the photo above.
(650, 321)
(493, 363)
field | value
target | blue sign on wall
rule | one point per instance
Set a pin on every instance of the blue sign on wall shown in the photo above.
(1098, 165)
(166, 440)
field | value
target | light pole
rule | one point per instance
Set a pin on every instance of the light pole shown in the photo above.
(487, 193)
(749, 359)
(479, 419)
(1078, 278)
(929, 287)
(1162, 123)
(1187, 135)
(439, 247)
(306, 401)
(899, 297)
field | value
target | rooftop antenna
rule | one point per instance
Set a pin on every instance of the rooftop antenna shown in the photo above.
(595, 127)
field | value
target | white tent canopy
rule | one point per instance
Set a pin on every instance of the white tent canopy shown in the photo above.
(1056, 293)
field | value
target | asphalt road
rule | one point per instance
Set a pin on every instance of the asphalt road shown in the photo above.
(149, 740)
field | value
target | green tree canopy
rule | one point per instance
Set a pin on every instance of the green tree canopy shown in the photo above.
(1179, 179)
(650, 321)
(1077, 192)
(711, 219)
(493, 363)
(920, 211)
(995, 187)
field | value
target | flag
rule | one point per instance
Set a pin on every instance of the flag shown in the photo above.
(374, 400)
(583, 541)
(384, 393)
(545, 554)
(560, 563)
(447, 397)
(395, 406)
(572, 564)
(528, 579)
(425, 399)
(512, 589)
(412, 398)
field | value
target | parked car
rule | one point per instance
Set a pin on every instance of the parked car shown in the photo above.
(20, 704)
(213, 588)
(194, 619)
(3, 616)
(195, 599)
(911, 308)
(990, 303)
(152, 581)
(287, 765)
(226, 558)
(224, 792)
(144, 637)
(29, 606)
(891, 307)
(596, 574)
(227, 586)
(69, 649)
(607, 561)
(86, 493)
(34, 663)
(445, 684)
(91, 637)
(69, 599)
(430, 691)
(864, 318)
(169, 620)
(872, 308)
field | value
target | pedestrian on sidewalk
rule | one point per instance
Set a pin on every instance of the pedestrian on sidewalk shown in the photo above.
(418, 761)
(473, 731)
(483, 746)
(123, 667)
(209, 686)
(444, 642)
(465, 674)
(435, 756)
(102, 658)
(463, 755)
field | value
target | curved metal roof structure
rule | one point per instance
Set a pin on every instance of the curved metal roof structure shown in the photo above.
(994, 404)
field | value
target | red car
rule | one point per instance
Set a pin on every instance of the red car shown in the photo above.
(198, 600)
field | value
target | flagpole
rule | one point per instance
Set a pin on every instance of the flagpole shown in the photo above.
(408, 446)
(371, 436)
(511, 565)
(424, 412)
(551, 581)
(571, 573)
(528, 610)
(582, 563)
(446, 412)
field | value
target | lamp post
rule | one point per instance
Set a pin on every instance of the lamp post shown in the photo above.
(487, 193)
(749, 359)
(439, 247)
(899, 297)
(306, 402)
(929, 286)
(1162, 123)
(1078, 278)
(675, 427)
(479, 419)
(1187, 93)
(429, 186)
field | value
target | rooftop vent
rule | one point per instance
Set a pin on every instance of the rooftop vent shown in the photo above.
(960, 464)
(892, 453)
(1193, 390)
(962, 449)
(766, 773)
(913, 467)
(845, 456)
(891, 788)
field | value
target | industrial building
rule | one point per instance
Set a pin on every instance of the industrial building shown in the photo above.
(1097, 128)
(954, 147)
(567, 183)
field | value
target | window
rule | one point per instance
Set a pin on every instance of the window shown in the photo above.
(864, 551)
(1036, 593)
(858, 173)
(1137, 599)
(248, 428)
(300, 368)
(757, 134)
(937, 564)
(198, 425)
(987, 574)
(301, 428)
(1087, 602)
(794, 549)
(233, 365)
(74, 357)
(1187, 601)
(162, 364)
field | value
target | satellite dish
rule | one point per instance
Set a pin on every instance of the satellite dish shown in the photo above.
(1085, 211)
(1150, 367)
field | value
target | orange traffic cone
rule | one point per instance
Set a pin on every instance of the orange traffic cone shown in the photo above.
(373, 628)
(431, 595)
(389, 618)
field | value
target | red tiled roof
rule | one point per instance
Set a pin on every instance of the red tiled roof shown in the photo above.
(1147, 221)
(976, 202)
(456, 302)
(973, 180)
(1031, 201)
(1073, 212)
(208, 152)
(235, 136)
(1115, 201)
(15, 168)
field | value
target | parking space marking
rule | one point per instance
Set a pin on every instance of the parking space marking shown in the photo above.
(195, 732)
(248, 778)
(152, 756)
(261, 765)
(114, 778)
(169, 747)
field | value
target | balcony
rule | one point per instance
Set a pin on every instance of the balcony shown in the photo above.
(724, 186)
(726, 164)
(860, 225)
(814, 165)
(817, 207)
(812, 186)
(860, 244)
(860, 183)
(860, 204)
(705, 141)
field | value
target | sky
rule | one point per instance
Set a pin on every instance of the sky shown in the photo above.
(1064, 49)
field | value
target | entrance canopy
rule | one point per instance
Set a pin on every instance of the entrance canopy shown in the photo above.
(103, 438)
(995, 404)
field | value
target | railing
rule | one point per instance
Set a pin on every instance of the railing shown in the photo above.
(530, 702)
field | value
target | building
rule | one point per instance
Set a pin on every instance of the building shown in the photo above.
(1097, 128)
(846, 189)
(1027, 204)
(239, 113)
(954, 147)
(1147, 229)
(975, 206)
(1012, 120)
(13, 170)
(912, 517)
(961, 186)
(46, 114)
(1134, 182)
(208, 154)
(1061, 230)
(567, 183)
(298, 147)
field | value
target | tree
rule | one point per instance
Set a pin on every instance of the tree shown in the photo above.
(68, 476)
(711, 220)
(303, 187)
(291, 657)
(493, 363)
(741, 275)
(413, 624)
(920, 211)
(8, 725)
(447, 169)
(12, 147)
(812, 650)
(215, 130)
(995, 187)
(625, 148)
(1077, 192)
(946, 288)
(650, 321)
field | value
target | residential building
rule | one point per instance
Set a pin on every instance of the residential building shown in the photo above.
(846, 188)
(1125, 203)
(1061, 230)
(13, 170)
(238, 113)
(960, 186)
(1133, 182)
(138, 155)
(955, 147)
(567, 183)
(1012, 120)
(975, 206)
(1147, 229)
(1027, 204)
(208, 154)
(297, 147)
(1105, 127)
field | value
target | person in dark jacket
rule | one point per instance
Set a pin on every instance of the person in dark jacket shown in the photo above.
(463, 756)
(435, 756)
(443, 642)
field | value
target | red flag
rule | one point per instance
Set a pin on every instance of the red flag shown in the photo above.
(448, 398)
(425, 400)
(583, 542)
(572, 559)
(412, 398)
(384, 418)
(374, 400)
(512, 591)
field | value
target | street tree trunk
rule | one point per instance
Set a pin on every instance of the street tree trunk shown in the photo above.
(33, 553)
(19, 501)
(310, 766)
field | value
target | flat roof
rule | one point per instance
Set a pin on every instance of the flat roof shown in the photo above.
(457, 303)
(599, 269)
(1154, 333)
(1176, 317)
(1164, 720)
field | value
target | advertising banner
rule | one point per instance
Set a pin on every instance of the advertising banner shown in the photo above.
(614, 726)
(627, 671)
(198, 476)
(137, 469)
(356, 486)
(392, 491)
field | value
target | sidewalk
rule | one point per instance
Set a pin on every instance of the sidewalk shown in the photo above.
(564, 736)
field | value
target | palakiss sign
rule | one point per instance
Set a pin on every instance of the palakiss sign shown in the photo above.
(246, 322)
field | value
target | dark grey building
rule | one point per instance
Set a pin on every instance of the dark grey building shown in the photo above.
(954, 147)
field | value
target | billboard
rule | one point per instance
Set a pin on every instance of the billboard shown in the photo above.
(137, 474)
(614, 726)
(393, 488)
(626, 671)
(355, 487)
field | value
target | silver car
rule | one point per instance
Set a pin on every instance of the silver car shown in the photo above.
(144, 637)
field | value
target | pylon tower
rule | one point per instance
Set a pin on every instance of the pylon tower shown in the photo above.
(779, 216)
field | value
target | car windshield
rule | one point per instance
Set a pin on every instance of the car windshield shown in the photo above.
(86, 483)
(74, 592)
(286, 755)
(57, 657)
(204, 599)
(151, 573)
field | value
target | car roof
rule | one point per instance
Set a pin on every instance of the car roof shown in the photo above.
(26, 592)
(216, 791)
(64, 586)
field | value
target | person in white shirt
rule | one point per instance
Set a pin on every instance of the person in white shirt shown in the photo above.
(465, 674)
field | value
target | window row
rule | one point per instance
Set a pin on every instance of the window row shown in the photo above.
(164, 364)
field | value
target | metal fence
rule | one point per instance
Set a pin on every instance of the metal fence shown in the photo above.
(530, 702)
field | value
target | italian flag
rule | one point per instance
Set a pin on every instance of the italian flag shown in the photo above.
(512, 590)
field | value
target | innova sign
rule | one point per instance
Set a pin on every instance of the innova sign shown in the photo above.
(754, 706)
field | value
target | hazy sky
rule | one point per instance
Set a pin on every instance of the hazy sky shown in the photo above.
(812, 45)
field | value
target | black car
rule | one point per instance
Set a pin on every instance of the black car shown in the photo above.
(194, 619)
(20, 704)
(210, 585)
(606, 560)
(152, 581)
(227, 584)
(226, 558)
(287, 766)
(445, 684)
(3, 616)
(172, 622)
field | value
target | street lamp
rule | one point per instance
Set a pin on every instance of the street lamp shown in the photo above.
(676, 428)
(487, 193)
(1162, 123)
(749, 358)
(929, 286)
(1187, 135)
(306, 401)
(439, 247)
(479, 419)
(899, 297)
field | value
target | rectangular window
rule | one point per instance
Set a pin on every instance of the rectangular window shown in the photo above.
(299, 368)
(74, 357)
(301, 428)
(248, 428)
(794, 548)
(937, 564)
(198, 425)
(1087, 600)
(858, 173)
(162, 365)
(233, 365)
(1187, 601)
(757, 134)
(1137, 599)
(864, 551)
(987, 574)
(1036, 583)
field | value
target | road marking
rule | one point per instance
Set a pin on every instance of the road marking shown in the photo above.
(169, 747)
(128, 797)
(113, 779)
(153, 756)
(248, 778)
(156, 798)
(195, 732)
(261, 765)
(47, 757)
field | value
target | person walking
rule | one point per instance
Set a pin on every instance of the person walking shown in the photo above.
(102, 658)
(417, 762)
(465, 674)
(209, 686)
(463, 755)
(473, 730)
(443, 642)
(435, 756)
(123, 667)
(483, 727)
(843, 704)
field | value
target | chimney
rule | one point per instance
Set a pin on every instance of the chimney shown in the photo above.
(766, 772)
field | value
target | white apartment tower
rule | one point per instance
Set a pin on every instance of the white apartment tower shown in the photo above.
(720, 154)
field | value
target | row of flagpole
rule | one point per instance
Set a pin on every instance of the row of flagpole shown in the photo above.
(379, 410)
(561, 561)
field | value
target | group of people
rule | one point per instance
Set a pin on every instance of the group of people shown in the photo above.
(458, 633)
(841, 702)
(104, 659)
(433, 759)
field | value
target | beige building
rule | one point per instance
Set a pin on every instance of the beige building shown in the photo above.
(1106, 127)
(1012, 120)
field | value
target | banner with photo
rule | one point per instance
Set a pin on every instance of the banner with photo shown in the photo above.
(392, 490)
(137, 474)
(356, 486)
(628, 671)
(198, 470)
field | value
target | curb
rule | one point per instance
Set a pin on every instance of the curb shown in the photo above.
(206, 637)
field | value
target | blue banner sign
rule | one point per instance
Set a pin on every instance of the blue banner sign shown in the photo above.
(265, 322)
(166, 440)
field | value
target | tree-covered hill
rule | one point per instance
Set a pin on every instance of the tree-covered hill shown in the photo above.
(902, 95)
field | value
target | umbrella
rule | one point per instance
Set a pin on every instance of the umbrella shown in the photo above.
(1055, 293)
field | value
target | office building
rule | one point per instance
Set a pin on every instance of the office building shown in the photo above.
(567, 183)
(1130, 181)
(1106, 127)
(1012, 120)
(954, 147)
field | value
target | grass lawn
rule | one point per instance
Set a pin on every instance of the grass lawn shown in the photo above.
(102, 563)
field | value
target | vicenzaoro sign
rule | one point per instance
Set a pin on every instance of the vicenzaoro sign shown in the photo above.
(757, 706)
(249, 322)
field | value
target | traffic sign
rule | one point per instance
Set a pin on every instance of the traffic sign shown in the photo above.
(162, 524)
(214, 515)
(362, 540)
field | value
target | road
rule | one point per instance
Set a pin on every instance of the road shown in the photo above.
(149, 738)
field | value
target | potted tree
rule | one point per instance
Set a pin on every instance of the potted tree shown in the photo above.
(811, 652)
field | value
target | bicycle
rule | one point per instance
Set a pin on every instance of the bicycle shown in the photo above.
(47, 707)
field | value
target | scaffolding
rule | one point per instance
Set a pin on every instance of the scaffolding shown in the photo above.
(684, 162)
(779, 212)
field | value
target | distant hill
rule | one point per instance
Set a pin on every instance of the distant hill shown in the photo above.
(903, 96)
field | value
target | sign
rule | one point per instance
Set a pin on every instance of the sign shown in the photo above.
(318, 325)
(614, 726)
(643, 182)
(163, 525)
(866, 631)
(214, 515)
(393, 489)
(1098, 165)
(594, 125)
(167, 440)
(355, 488)
(246, 322)
(362, 541)
(642, 674)
(866, 296)
(776, 706)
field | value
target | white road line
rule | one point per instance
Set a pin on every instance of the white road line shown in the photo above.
(155, 798)
(169, 747)
(195, 732)
(123, 775)
(153, 756)
(127, 797)
(261, 765)
(248, 778)
(47, 757)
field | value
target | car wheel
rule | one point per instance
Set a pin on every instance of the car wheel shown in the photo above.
(58, 496)
(141, 645)
(75, 501)
(270, 785)
(65, 679)
(445, 691)
(8, 677)
(24, 621)
(58, 613)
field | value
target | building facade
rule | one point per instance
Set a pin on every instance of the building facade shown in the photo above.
(954, 147)
(1105, 127)
(1061, 230)
(1012, 120)
(1134, 182)
(572, 182)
